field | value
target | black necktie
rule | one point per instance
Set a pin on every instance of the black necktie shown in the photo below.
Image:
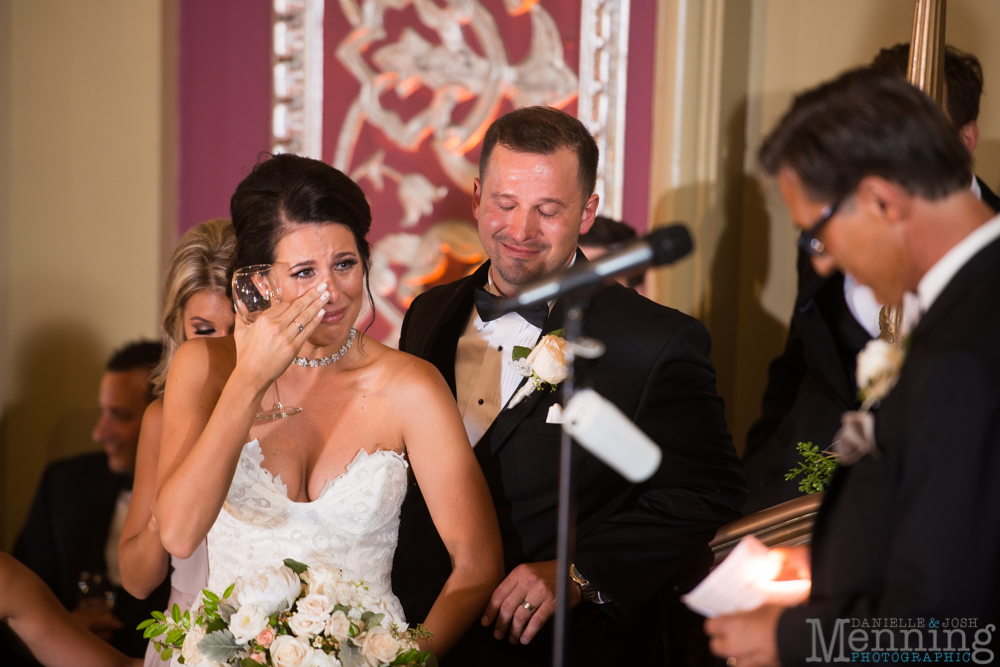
(488, 307)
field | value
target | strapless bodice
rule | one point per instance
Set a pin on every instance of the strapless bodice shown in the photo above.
(351, 525)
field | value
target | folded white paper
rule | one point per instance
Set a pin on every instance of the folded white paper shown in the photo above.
(744, 582)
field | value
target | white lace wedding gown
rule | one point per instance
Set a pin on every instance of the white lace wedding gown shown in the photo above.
(352, 525)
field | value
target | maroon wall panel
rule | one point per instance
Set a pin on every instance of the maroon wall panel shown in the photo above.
(224, 101)
(639, 113)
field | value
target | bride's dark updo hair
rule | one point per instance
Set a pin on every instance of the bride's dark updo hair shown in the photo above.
(286, 190)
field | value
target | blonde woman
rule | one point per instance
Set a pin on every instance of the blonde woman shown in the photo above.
(195, 305)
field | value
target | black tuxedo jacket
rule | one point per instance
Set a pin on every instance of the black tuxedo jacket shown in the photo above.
(66, 533)
(810, 385)
(633, 542)
(914, 532)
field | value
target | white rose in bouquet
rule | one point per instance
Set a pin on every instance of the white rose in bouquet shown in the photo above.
(315, 604)
(379, 647)
(248, 622)
(548, 359)
(338, 626)
(306, 624)
(270, 588)
(347, 594)
(289, 651)
(322, 580)
(321, 659)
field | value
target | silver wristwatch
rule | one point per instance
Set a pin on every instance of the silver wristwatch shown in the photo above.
(587, 590)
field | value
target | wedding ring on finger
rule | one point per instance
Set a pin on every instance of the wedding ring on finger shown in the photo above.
(530, 607)
(299, 326)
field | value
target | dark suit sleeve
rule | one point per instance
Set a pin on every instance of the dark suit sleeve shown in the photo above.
(784, 376)
(36, 547)
(404, 326)
(786, 372)
(667, 522)
(944, 544)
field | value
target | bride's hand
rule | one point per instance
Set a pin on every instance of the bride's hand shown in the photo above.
(266, 348)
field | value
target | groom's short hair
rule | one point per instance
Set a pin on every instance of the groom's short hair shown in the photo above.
(543, 130)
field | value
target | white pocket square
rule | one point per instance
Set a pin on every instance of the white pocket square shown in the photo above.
(555, 415)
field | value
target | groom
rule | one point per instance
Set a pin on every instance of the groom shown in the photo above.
(637, 545)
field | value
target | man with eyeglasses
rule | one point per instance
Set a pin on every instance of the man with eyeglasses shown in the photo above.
(909, 532)
(813, 381)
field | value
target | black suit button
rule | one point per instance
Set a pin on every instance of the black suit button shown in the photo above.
(480, 401)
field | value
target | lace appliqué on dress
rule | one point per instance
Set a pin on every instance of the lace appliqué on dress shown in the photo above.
(352, 524)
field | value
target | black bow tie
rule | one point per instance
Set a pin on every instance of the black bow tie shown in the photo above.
(488, 307)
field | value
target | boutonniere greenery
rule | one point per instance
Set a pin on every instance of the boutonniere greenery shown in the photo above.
(816, 468)
(545, 365)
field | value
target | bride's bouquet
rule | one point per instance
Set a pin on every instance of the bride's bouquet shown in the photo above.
(287, 616)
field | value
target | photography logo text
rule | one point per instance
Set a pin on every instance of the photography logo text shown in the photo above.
(902, 640)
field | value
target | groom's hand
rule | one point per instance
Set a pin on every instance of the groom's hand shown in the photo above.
(534, 583)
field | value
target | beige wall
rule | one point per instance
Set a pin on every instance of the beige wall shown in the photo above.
(728, 69)
(80, 207)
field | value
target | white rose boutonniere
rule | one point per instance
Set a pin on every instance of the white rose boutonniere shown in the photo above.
(544, 364)
(878, 367)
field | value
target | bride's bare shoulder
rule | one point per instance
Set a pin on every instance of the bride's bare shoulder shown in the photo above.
(405, 372)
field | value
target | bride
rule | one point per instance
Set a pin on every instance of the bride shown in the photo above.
(324, 486)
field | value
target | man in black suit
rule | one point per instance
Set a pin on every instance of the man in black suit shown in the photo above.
(812, 383)
(636, 545)
(79, 509)
(908, 537)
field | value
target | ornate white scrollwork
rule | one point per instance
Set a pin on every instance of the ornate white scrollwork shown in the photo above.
(297, 91)
(454, 72)
(603, 78)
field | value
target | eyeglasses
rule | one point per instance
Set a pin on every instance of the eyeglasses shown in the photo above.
(808, 243)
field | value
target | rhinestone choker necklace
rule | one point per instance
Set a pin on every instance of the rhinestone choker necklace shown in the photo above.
(326, 361)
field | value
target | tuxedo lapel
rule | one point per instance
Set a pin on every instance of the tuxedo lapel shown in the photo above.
(821, 352)
(441, 341)
(817, 330)
(509, 418)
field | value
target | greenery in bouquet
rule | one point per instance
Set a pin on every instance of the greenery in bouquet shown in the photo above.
(287, 616)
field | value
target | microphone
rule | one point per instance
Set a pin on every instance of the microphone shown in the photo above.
(661, 246)
(604, 431)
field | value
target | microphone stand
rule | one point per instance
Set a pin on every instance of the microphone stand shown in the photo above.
(566, 521)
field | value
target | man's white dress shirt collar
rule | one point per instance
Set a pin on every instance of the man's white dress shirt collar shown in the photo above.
(484, 380)
(938, 276)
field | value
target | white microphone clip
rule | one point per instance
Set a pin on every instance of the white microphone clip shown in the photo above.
(604, 431)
